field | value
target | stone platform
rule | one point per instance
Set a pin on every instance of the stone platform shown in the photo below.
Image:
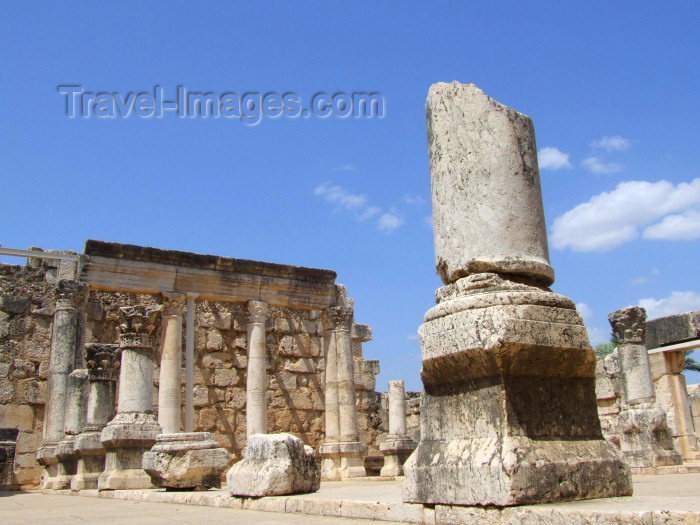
(673, 498)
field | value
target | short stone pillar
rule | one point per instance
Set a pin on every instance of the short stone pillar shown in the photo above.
(169, 403)
(342, 452)
(102, 361)
(76, 411)
(65, 339)
(397, 446)
(672, 396)
(508, 411)
(186, 461)
(645, 439)
(694, 395)
(256, 386)
(274, 465)
(134, 429)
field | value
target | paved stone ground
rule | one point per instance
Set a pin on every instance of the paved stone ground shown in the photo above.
(672, 498)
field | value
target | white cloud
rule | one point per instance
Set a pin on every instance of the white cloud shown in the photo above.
(552, 159)
(412, 337)
(428, 221)
(676, 303)
(338, 195)
(684, 227)
(598, 335)
(646, 279)
(345, 167)
(389, 222)
(616, 143)
(584, 310)
(610, 219)
(597, 166)
(413, 199)
(370, 212)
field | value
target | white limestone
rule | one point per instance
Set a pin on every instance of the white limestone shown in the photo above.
(169, 403)
(398, 446)
(274, 465)
(256, 386)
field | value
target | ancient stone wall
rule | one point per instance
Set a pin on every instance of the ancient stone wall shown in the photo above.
(608, 389)
(26, 315)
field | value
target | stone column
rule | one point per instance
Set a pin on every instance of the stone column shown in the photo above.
(134, 429)
(76, 411)
(169, 404)
(189, 363)
(645, 439)
(256, 387)
(342, 456)
(65, 338)
(508, 412)
(102, 361)
(671, 394)
(398, 446)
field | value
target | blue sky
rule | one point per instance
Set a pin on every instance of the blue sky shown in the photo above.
(611, 88)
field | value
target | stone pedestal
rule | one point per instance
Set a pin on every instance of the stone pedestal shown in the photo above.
(186, 461)
(169, 404)
(66, 337)
(256, 384)
(645, 439)
(102, 361)
(134, 429)
(274, 465)
(398, 446)
(508, 412)
(342, 453)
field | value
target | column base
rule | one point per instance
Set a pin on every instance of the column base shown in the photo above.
(91, 461)
(46, 456)
(186, 461)
(67, 465)
(126, 439)
(396, 450)
(342, 460)
(687, 446)
(646, 440)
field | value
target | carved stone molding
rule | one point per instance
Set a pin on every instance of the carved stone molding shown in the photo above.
(628, 324)
(258, 311)
(337, 318)
(71, 294)
(174, 303)
(138, 324)
(102, 361)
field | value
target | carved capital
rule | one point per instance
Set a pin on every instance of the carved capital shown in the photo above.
(628, 324)
(337, 318)
(137, 324)
(174, 303)
(71, 294)
(103, 361)
(258, 311)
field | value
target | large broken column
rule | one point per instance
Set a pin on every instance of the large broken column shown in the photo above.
(102, 361)
(76, 412)
(169, 404)
(65, 339)
(134, 429)
(508, 413)
(397, 446)
(645, 439)
(342, 452)
(256, 383)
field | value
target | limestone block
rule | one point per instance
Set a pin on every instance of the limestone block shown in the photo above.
(302, 366)
(225, 377)
(482, 153)
(190, 460)
(7, 391)
(215, 340)
(219, 320)
(286, 324)
(361, 332)
(646, 440)
(217, 360)
(672, 329)
(20, 417)
(200, 396)
(14, 304)
(365, 381)
(273, 465)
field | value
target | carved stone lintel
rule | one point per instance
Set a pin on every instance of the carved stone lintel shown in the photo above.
(174, 303)
(138, 324)
(628, 324)
(71, 294)
(337, 318)
(102, 361)
(258, 311)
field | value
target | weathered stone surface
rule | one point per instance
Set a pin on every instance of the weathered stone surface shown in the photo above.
(646, 440)
(482, 154)
(672, 329)
(398, 446)
(190, 460)
(13, 304)
(273, 465)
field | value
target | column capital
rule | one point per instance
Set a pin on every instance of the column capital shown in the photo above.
(258, 311)
(174, 303)
(137, 324)
(103, 361)
(628, 324)
(337, 318)
(71, 294)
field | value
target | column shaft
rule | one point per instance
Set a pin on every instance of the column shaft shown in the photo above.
(169, 404)
(256, 388)
(397, 408)
(189, 364)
